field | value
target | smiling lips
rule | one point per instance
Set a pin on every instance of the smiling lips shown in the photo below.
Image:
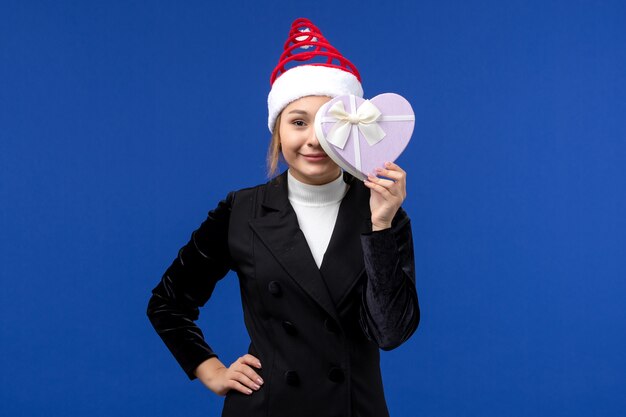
(313, 157)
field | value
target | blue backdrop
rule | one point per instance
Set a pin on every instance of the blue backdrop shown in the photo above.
(123, 122)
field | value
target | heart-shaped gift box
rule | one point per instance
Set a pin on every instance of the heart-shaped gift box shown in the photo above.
(361, 135)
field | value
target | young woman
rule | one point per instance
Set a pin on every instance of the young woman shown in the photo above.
(325, 265)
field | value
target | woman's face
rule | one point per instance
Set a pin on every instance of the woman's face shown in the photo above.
(307, 160)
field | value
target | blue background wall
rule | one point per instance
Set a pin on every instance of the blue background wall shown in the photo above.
(123, 122)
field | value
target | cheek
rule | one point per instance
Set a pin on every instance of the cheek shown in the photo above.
(286, 151)
(288, 144)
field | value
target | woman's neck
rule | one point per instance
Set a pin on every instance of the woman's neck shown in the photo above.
(316, 195)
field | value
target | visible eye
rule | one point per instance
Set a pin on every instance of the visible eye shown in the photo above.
(299, 123)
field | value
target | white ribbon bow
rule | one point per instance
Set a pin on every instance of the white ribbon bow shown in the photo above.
(365, 118)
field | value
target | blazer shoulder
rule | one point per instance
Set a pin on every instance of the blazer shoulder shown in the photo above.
(244, 194)
(274, 191)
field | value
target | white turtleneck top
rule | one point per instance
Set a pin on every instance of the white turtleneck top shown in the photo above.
(316, 207)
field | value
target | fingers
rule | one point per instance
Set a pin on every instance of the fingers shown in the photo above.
(242, 377)
(250, 360)
(392, 185)
(387, 188)
(247, 361)
(384, 182)
(394, 175)
(238, 386)
(379, 185)
(394, 167)
(392, 171)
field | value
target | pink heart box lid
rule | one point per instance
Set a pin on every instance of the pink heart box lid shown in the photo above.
(344, 129)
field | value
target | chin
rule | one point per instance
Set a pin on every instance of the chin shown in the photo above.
(324, 176)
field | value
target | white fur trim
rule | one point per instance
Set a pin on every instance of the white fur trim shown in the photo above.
(309, 80)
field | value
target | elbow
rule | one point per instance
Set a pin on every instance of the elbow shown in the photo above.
(390, 343)
(150, 310)
(155, 305)
(389, 327)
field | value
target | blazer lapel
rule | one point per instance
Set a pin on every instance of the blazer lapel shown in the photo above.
(343, 261)
(279, 231)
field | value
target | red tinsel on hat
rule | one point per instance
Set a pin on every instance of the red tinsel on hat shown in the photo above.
(305, 35)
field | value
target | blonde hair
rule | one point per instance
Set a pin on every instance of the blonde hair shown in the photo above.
(274, 152)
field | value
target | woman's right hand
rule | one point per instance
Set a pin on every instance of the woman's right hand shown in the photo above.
(240, 375)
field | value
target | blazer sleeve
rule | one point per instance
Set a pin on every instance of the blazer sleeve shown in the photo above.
(389, 312)
(187, 285)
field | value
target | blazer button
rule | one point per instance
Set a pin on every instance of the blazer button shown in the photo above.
(274, 288)
(336, 375)
(292, 378)
(290, 328)
(331, 325)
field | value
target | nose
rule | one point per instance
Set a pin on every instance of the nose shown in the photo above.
(312, 140)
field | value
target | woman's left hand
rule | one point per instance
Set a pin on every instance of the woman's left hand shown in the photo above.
(386, 194)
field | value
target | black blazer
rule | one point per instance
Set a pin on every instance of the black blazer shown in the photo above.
(317, 331)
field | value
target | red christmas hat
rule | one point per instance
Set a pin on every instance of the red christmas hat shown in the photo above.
(309, 66)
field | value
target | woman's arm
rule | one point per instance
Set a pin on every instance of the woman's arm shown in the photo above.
(390, 309)
(187, 284)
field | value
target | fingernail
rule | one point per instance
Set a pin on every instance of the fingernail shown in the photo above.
(258, 364)
(256, 386)
(249, 391)
(259, 380)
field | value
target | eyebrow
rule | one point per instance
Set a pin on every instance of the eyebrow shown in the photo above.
(298, 111)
